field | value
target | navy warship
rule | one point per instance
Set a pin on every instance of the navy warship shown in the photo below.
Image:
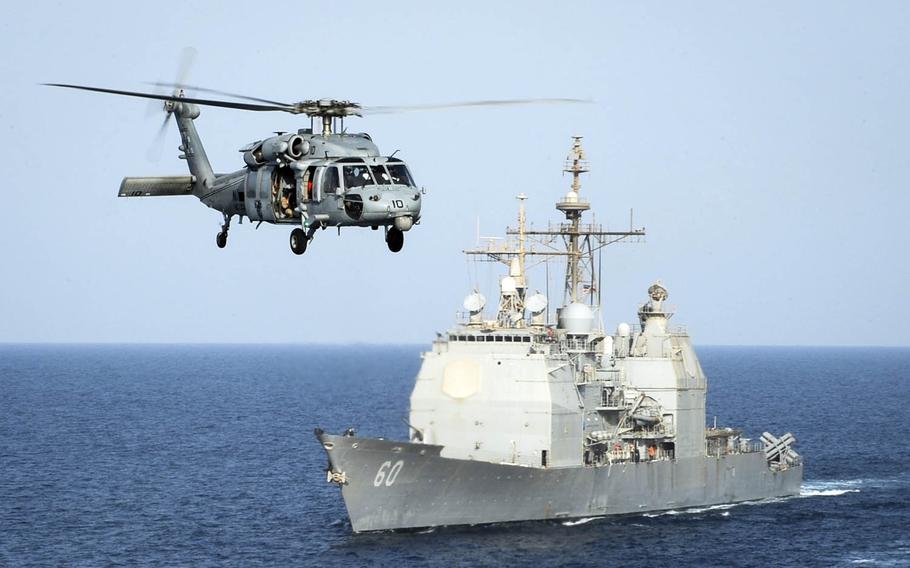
(517, 417)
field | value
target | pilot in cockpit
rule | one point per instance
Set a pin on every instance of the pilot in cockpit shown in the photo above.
(356, 176)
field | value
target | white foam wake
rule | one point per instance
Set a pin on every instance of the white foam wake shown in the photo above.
(826, 492)
(833, 488)
(581, 521)
(693, 510)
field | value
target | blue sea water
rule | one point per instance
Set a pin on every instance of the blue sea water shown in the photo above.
(204, 456)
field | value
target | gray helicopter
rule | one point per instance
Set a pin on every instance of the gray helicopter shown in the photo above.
(307, 179)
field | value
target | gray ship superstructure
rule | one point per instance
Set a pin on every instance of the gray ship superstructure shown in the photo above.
(515, 417)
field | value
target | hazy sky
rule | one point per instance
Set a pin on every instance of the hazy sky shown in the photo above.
(763, 146)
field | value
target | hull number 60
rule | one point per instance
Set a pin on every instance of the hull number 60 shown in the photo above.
(387, 473)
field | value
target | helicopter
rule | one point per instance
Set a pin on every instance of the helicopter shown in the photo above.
(309, 179)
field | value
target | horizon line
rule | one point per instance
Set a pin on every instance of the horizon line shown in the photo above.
(387, 344)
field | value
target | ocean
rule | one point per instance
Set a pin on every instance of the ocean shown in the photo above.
(204, 455)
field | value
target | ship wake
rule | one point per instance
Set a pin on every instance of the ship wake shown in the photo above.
(694, 510)
(834, 488)
(582, 521)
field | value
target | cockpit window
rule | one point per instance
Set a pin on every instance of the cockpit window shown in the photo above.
(401, 175)
(356, 176)
(382, 176)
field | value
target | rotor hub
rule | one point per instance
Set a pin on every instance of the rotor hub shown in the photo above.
(327, 108)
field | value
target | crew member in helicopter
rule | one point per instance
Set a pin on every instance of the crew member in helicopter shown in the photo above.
(288, 202)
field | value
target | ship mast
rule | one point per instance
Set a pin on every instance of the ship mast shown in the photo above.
(579, 243)
(572, 206)
(521, 236)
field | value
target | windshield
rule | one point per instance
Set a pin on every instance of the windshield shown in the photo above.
(356, 176)
(401, 175)
(382, 176)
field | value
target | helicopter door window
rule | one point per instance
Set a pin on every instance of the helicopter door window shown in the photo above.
(356, 176)
(330, 182)
(308, 178)
(382, 176)
(401, 175)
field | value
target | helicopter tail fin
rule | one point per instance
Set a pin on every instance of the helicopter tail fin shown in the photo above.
(156, 186)
(193, 152)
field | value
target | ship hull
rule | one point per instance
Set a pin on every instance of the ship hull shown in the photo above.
(398, 485)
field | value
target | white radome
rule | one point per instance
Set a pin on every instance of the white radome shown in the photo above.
(474, 302)
(576, 319)
(508, 286)
(536, 303)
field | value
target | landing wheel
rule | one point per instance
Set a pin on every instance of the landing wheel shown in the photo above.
(221, 239)
(395, 239)
(298, 241)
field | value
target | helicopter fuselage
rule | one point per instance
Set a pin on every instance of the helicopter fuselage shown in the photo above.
(341, 180)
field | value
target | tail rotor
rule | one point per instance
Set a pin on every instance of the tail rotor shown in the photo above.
(187, 58)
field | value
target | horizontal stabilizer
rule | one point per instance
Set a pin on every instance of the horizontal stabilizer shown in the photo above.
(156, 186)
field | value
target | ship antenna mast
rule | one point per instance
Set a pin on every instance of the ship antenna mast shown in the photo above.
(573, 206)
(521, 236)
(581, 241)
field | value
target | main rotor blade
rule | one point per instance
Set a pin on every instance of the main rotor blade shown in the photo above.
(217, 92)
(506, 102)
(205, 102)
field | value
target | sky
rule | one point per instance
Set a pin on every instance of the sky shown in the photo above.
(763, 146)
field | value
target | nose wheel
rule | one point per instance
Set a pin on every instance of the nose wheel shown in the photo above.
(394, 238)
(298, 241)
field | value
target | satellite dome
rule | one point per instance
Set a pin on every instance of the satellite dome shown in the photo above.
(508, 286)
(576, 319)
(623, 330)
(536, 303)
(474, 302)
